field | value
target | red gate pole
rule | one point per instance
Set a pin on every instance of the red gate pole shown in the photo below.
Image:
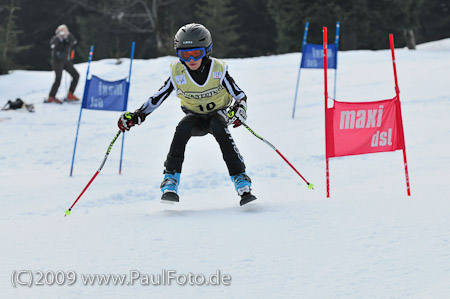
(325, 66)
(397, 90)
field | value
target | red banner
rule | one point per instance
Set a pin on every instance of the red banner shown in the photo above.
(363, 128)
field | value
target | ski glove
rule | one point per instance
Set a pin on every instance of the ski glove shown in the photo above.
(129, 119)
(237, 114)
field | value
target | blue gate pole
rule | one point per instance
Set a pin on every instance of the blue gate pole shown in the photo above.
(305, 34)
(126, 104)
(91, 53)
(337, 51)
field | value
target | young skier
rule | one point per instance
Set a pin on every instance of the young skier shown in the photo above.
(206, 91)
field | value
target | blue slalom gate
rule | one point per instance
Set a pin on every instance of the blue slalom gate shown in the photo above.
(312, 58)
(104, 95)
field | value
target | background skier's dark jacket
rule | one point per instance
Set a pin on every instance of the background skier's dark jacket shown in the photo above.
(61, 48)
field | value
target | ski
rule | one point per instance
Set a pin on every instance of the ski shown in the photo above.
(170, 198)
(246, 198)
(65, 100)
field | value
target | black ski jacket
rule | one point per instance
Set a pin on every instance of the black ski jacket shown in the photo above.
(61, 48)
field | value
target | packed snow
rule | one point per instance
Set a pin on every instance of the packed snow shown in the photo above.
(369, 240)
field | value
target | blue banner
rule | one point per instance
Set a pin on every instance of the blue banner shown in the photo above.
(100, 94)
(312, 56)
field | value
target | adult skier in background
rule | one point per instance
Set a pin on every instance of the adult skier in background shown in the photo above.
(61, 59)
(211, 101)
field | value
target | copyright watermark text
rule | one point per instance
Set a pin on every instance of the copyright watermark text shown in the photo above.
(30, 278)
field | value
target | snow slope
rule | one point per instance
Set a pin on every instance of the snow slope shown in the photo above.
(368, 241)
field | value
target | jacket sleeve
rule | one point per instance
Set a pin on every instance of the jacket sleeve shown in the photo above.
(53, 42)
(232, 88)
(57, 49)
(156, 100)
(72, 40)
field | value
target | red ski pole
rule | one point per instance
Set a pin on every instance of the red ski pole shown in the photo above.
(310, 186)
(96, 173)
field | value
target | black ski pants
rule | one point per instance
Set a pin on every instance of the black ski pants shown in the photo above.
(200, 125)
(58, 67)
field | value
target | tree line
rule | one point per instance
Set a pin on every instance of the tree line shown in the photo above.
(240, 28)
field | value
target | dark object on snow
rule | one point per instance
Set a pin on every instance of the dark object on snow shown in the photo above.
(18, 104)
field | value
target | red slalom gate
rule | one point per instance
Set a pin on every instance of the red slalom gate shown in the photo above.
(354, 128)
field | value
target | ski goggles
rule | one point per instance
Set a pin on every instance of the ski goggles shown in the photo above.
(195, 53)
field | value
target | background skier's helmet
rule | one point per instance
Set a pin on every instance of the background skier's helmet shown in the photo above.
(193, 36)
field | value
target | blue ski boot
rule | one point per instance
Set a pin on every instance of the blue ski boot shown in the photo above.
(169, 187)
(243, 184)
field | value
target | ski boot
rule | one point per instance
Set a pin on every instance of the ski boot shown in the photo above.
(243, 184)
(169, 187)
(71, 97)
